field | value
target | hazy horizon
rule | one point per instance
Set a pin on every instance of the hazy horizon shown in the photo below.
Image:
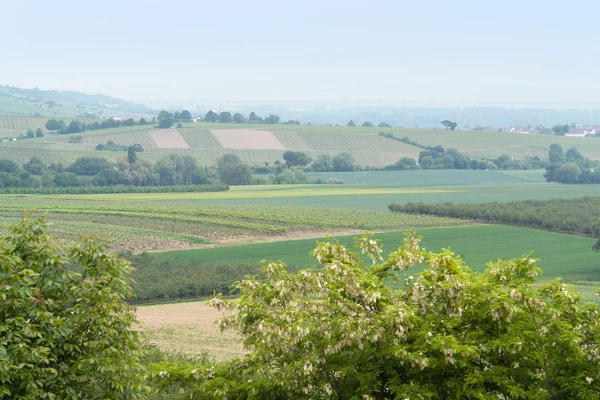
(333, 52)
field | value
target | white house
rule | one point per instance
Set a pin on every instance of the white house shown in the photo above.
(197, 119)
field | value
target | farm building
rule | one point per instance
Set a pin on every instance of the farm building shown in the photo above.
(197, 119)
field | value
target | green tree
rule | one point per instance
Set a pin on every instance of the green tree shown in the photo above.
(555, 155)
(573, 155)
(560, 130)
(35, 166)
(165, 123)
(367, 123)
(427, 162)
(254, 119)
(238, 118)
(342, 162)
(88, 165)
(450, 126)
(341, 331)
(185, 116)
(54, 125)
(567, 173)
(296, 158)
(164, 115)
(142, 121)
(384, 125)
(39, 133)
(30, 134)
(225, 117)
(65, 328)
(272, 119)
(323, 163)
(76, 126)
(211, 116)
(351, 123)
(232, 171)
(131, 155)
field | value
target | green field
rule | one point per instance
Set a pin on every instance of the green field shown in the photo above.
(365, 144)
(560, 255)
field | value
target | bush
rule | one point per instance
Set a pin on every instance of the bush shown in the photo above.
(339, 331)
(65, 329)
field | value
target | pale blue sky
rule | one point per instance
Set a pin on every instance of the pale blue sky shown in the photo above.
(511, 53)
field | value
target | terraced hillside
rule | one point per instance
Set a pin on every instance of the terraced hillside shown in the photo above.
(253, 143)
(267, 143)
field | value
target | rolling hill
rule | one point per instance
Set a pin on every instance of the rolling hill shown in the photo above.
(267, 143)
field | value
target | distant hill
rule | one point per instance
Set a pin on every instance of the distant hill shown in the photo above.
(267, 143)
(69, 104)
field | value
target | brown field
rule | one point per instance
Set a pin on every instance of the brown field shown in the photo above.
(169, 139)
(189, 328)
(247, 139)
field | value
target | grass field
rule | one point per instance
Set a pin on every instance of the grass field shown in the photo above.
(570, 257)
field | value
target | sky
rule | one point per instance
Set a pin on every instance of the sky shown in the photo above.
(526, 53)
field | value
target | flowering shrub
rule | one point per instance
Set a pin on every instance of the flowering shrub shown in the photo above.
(354, 330)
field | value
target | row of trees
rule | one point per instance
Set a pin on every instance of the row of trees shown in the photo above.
(93, 171)
(77, 126)
(573, 216)
(226, 117)
(436, 157)
(570, 166)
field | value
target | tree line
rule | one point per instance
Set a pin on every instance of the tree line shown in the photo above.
(99, 172)
(570, 166)
(573, 216)
(437, 157)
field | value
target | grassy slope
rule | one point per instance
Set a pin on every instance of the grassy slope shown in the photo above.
(562, 255)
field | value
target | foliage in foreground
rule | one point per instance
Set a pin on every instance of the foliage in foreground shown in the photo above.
(64, 323)
(339, 331)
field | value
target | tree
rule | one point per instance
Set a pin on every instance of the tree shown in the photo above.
(232, 171)
(342, 162)
(76, 126)
(384, 125)
(66, 330)
(185, 116)
(142, 121)
(367, 123)
(165, 123)
(225, 117)
(238, 118)
(339, 331)
(54, 125)
(351, 123)
(131, 155)
(35, 166)
(164, 115)
(449, 124)
(405, 163)
(211, 116)
(296, 158)
(560, 130)
(555, 155)
(323, 163)
(88, 165)
(254, 119)
(567, 173)
(30, 134)
(39, 133)
(573, 155)
(272, 119)
(427, 162)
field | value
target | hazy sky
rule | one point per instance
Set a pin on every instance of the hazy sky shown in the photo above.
(512, 53)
